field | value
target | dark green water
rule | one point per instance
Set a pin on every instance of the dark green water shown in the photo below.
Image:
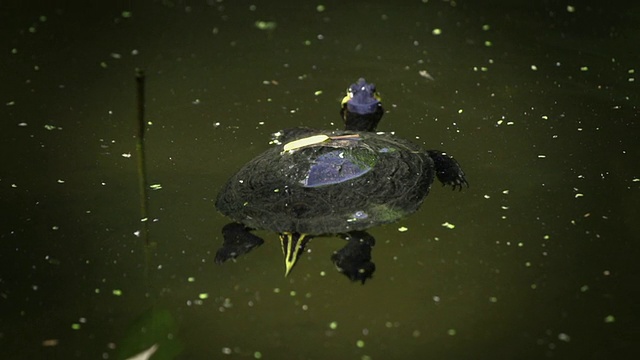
(538, 100)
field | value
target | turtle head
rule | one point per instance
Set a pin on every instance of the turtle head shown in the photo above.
(361, 109)
(292, 246)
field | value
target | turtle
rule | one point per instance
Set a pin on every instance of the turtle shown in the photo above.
(332, 183)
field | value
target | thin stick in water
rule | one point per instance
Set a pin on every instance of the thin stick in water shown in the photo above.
(142, 166)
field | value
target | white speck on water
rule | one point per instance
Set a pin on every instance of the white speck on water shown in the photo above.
(126, 155)
(564, 337)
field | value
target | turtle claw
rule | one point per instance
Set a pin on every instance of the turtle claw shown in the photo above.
(448, 171)
(237, 241)
(354, 259)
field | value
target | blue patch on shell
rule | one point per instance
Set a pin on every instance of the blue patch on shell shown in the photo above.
(335, 167)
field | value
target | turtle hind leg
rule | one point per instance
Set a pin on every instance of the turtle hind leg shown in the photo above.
(447, 169)
(354, 259)
(238, 240)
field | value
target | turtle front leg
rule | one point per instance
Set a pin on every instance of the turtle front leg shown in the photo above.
(354, 259)
(238, 240)
(447, 169)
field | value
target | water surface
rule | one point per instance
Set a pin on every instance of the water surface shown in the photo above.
(538, 102)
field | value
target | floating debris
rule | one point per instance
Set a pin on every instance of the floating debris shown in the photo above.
(50, 342)
(448, 225)
(265, 25)
(145, 355)
(311, 140)
(426, 75)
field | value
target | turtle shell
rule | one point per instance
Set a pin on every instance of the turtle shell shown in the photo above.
(337, 182)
